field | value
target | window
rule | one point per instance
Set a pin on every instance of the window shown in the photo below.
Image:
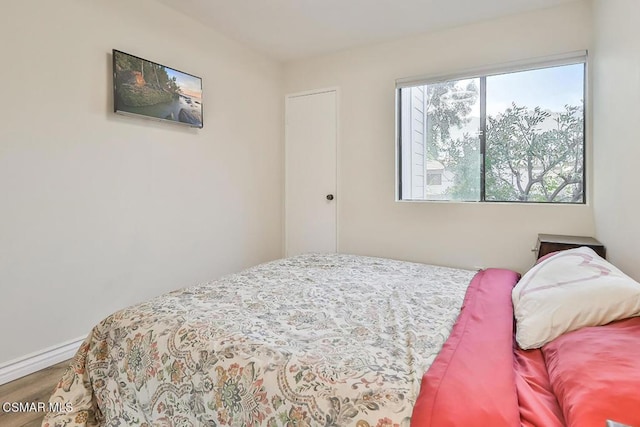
(434, 178)
(497, 136)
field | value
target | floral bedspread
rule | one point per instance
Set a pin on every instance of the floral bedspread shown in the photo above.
(313, 340)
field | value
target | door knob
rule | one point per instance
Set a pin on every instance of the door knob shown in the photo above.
(329, 196)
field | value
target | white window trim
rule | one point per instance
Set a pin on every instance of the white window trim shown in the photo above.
(576, 57)
(568, 58)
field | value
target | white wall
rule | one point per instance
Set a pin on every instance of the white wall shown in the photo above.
(616, 110)
(100, 211)
(466, 235)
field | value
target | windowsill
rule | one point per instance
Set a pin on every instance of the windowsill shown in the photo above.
(463, 202)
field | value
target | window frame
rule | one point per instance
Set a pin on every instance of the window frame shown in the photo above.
(481, 73)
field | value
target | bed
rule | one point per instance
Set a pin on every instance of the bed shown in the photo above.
(557, 348)
(334, 340)
(344, 340)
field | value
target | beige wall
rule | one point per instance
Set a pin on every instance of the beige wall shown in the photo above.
(101, 211)
(616, 99)
(456, 234)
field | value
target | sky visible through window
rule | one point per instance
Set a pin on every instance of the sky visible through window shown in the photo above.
(548, 88)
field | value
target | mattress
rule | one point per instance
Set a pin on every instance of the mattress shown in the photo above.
(335, 340)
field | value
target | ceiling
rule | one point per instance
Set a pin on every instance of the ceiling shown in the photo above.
(295, 29)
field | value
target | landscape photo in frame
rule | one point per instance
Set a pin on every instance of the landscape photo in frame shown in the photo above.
(148, 89)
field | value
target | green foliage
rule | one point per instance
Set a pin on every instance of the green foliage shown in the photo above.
(447, 106)
(532, 155)
(157, 88)
(535, 155)
(126, 62)
(465, 163)
(136, 96)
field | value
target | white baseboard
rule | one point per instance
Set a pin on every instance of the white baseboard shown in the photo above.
(38, 360)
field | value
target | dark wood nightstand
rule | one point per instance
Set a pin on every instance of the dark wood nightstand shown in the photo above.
(548, 243)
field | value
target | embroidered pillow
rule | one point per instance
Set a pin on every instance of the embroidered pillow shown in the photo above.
(570, 290)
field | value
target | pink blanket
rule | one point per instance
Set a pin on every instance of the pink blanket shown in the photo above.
(481, 378)
(472, 381)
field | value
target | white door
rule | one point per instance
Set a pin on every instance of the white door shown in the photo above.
(310, 173)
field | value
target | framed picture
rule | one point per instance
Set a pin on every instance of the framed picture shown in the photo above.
(151, 90)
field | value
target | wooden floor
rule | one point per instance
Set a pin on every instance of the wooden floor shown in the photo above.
(36, 387)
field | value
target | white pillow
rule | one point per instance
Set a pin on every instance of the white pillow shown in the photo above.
(568, 291)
